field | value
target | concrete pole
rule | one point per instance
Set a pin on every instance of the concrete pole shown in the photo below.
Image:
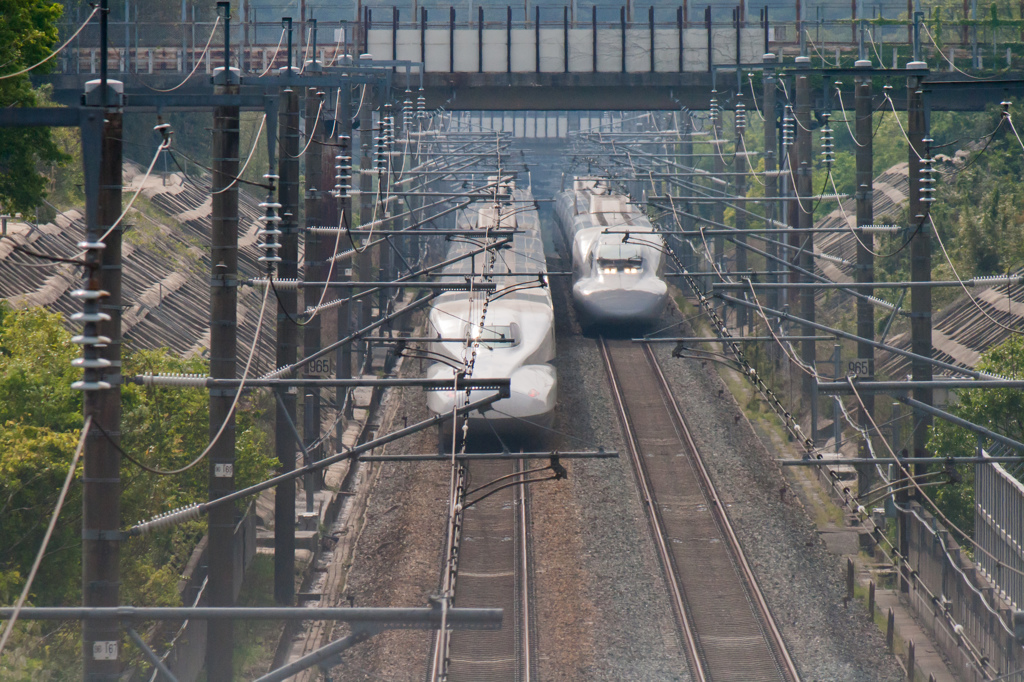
(101, 480)
(865, 270)
(223, 352)
(287, 343)
(362, 263)
(344, 321)
(740, 190)
(920, 271)
(805, 206)
(313, 256)
(771, 182)
(718, 208)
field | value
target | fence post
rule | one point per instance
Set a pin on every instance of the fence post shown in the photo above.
(480, 40)
(536, 33)
(871, 599)
(707, 25)
(650, 20)
(594, 21)
(849, 579)
(890, 626)
(910, 661)
(565, 37)
(508, 41)
(622, 24)
(451, 40)
(679, 27)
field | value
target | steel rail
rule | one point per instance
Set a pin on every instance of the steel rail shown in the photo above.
(778, 644)
(693, 652)
(524, 578)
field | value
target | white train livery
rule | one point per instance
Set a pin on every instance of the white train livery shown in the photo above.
(515, 336)
(616, 280)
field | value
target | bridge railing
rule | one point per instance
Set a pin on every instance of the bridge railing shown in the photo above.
(680, 41)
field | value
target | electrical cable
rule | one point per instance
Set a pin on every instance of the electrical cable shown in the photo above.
(252, 151)
(54, 260)
(309, 141)
(273, 59)
(194, 68)
(227, 418)
(48, 534)
(95, 9)
(166, 144)
(935, 508)
(963, 286)
(941, 54)
(815, 47)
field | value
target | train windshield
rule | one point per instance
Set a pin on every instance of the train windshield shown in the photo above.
(620, 258)
(500, 335)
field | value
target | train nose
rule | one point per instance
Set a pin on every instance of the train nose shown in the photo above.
(533, 389)
(645, 301)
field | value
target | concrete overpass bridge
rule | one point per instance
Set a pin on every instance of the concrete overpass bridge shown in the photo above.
(553, 59)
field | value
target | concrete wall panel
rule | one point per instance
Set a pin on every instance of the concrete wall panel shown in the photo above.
(695, 49)
(437, 50)
(552, 50)
(378, 43)
(609, 50)
(752, 45)
(638, 50)
(524, 45)
(666, 50)
(466, 51)
(581, 50)
(495, 50)
(723, 45)
(409, 45)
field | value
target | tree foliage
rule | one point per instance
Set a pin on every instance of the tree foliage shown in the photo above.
(996, 409)
(28, 32)
(40, 423)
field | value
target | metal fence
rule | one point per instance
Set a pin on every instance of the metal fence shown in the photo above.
(967, 617)
(999, 530)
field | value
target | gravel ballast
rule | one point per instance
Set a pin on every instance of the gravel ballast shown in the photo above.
(803, 582)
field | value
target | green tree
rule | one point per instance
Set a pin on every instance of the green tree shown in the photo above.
(28, 33)
(996, 409)
(40, 422)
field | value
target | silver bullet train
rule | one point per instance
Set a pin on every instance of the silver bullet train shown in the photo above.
(515, 336)
(615, 280)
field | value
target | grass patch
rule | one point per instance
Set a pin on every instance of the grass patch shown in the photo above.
(256, 640)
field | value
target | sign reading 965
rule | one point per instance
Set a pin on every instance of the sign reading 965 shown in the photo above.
(321, 368)
(859, 367)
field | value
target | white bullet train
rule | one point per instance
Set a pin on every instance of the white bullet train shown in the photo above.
(514, 337)
(615, 280)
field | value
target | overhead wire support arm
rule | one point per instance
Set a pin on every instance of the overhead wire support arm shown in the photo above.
(194, 511)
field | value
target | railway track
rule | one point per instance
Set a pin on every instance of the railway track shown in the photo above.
(493, 571)
(727, 628)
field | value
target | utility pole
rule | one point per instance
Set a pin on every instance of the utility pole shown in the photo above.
(223, 351)
(343, 186)
(771, 181)
(101, 384)
(313, 268)
(287, 335)
(362, 263)
(920, 195)
(805, 218)
(718, 208)
(865, 269)
(686, 222)
(739, 122)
